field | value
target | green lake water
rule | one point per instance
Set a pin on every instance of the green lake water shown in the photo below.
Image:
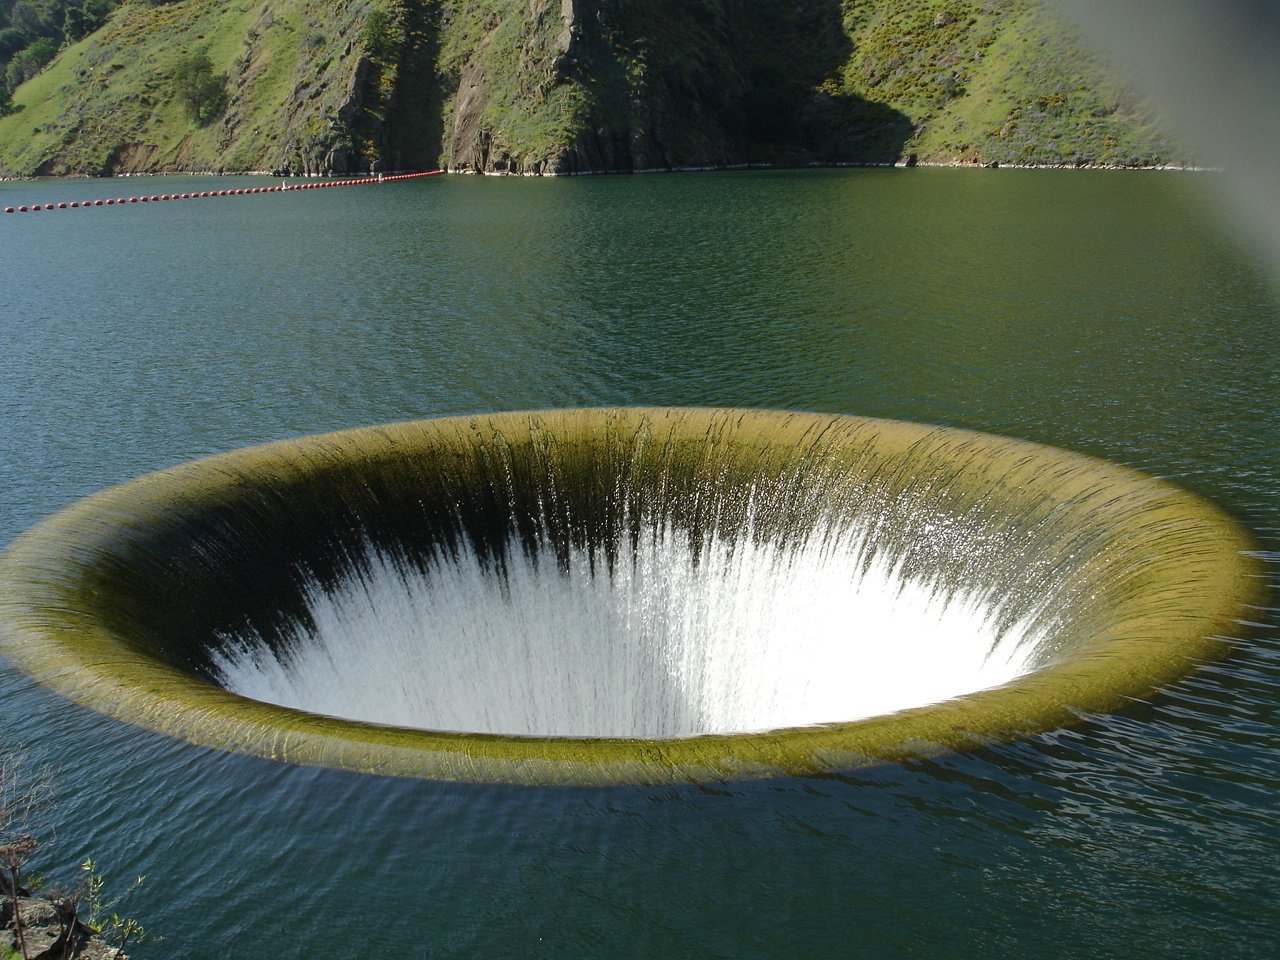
(1099, 311)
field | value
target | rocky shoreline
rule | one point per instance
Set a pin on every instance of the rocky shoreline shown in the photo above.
(50, 929)
(467, 171)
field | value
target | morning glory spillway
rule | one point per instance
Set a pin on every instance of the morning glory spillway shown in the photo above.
(591, 596)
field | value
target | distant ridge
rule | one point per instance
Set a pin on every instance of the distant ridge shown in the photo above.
(568, 86)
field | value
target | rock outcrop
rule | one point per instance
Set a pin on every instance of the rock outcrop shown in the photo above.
(50, 930)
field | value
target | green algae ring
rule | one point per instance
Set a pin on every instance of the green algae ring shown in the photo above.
(624, 595)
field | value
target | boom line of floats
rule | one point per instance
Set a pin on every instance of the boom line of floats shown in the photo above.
(201, 194)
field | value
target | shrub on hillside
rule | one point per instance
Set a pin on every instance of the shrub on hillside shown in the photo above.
(30, 61)
(202, 92)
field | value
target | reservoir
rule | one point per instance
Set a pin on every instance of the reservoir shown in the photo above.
(1106, 313)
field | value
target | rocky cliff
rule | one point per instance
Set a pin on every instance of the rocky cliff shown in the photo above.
(556, 86)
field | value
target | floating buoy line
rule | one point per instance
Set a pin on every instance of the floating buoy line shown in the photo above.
(202, 194)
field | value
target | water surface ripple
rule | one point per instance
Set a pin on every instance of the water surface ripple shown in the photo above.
(1101, 312)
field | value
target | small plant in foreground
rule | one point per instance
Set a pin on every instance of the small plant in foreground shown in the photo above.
(102, 917)
(81, 912)
(26, 792)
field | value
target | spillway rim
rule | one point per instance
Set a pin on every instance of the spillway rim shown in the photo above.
(70, 652)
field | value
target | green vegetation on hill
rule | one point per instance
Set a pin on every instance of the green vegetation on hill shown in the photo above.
(32, 31)
(308, 86)
(114, 102)
(999, 81)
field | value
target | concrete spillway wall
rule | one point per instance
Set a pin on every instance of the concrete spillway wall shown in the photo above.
(1088, 583)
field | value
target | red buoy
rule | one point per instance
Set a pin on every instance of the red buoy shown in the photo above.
(8, 210)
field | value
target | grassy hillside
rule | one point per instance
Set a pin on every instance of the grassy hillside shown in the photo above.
(310, 86)
(996, 81)
(108, 104)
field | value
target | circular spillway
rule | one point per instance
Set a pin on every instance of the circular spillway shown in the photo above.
(596, 596)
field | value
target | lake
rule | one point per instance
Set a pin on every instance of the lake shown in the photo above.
(1104, 312)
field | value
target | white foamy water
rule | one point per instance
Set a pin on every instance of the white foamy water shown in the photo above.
(747, 636)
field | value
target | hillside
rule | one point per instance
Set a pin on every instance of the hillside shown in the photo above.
(542, 86)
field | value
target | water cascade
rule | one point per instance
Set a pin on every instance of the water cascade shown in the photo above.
(623, 595)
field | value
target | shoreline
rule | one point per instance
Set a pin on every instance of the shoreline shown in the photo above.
(841, 165)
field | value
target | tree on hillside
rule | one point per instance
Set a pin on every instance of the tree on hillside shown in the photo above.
(34, 31)
(27, 63)
(11, 41)
(201, 91)
(30, 19)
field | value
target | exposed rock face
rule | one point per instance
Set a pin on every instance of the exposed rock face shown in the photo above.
(602, 85)
(321, 141)
(524, 58)
(469, 140)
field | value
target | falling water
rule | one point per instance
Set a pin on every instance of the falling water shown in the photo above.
(612, 595)
(745, 635)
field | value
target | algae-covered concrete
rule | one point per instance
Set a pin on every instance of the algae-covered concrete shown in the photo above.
(117, 601)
